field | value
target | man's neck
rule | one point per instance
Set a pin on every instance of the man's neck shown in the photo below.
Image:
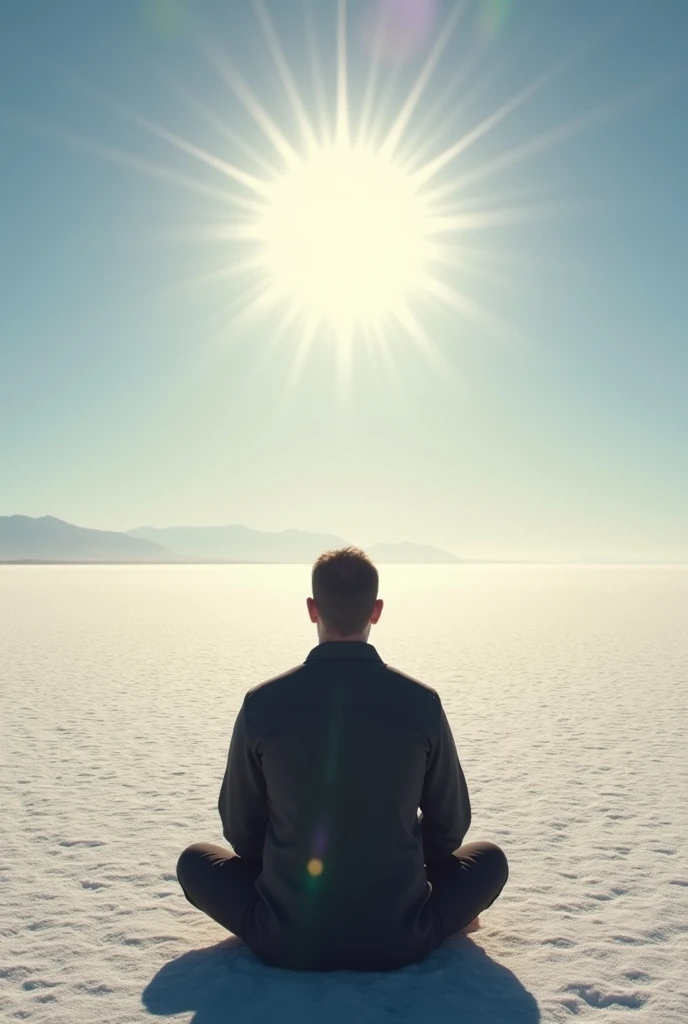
(329, 638)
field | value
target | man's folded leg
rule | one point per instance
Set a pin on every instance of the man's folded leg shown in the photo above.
(219, 883)
(465, 884)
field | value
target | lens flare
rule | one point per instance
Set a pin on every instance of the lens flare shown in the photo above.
(395, 29)
(494, 15)
(166, 17)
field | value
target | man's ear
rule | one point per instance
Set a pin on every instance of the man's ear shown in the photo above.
(312, 609)
(377, 610)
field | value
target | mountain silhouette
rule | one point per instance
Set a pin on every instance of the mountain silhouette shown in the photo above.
(47, 539)
(240, 543)
(405, 552)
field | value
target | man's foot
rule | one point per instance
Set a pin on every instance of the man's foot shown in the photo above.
(473, 926)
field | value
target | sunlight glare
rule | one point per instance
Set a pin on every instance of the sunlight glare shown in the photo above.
(343, 236)
(350, 224)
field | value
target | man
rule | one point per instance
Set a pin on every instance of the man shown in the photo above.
(328, 768)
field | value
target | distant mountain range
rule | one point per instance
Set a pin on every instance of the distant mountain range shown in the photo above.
(407, 553)
(239, 543)
(46, 539)
(52, 540)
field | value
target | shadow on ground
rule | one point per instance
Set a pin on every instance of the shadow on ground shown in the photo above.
(226, 983)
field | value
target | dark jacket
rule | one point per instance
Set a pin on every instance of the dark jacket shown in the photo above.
(328, 766)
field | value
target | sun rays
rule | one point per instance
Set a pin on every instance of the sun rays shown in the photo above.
(347, 233)
(347, 219)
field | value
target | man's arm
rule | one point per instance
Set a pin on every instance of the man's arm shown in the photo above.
(243, 803)
(445, 805)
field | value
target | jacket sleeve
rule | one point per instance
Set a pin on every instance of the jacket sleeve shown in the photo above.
(445, 805)
(243, 803)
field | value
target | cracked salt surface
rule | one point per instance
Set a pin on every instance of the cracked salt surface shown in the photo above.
(567, 689)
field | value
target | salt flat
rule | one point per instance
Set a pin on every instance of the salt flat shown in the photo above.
(567, 689)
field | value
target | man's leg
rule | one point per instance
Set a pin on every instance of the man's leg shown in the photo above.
(219, 883)
(465, 884)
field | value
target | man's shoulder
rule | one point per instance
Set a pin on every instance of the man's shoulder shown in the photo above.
(275, 683)
(282, 693)
(414, 685)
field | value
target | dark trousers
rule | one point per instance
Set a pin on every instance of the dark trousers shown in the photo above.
(222, 885)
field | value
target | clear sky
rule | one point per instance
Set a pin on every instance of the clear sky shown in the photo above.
(554, 423)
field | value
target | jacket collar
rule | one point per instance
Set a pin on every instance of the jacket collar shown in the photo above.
(344, 650)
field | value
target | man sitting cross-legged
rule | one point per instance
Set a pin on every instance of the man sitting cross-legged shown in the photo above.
(329, 765)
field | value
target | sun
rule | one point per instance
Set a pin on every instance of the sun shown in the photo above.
(343, 235)
(339, 220)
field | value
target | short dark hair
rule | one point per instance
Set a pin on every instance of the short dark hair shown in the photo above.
(345, 586)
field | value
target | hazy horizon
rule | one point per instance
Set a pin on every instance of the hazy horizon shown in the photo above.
(583, 559)
(530, 403)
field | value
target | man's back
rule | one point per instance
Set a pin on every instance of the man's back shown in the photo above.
(327, 768)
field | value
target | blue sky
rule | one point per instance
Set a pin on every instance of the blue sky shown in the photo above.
(559, 425)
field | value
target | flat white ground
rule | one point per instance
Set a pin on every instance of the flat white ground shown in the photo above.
(567, 689)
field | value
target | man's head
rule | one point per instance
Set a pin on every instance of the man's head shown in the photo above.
(345, 602)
